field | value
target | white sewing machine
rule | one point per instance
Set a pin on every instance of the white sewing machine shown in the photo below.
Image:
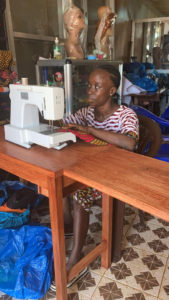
(24, 128)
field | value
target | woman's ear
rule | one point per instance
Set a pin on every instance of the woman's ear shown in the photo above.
(113, 91)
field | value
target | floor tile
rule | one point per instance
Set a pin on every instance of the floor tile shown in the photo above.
(139, 269)
(95, 266)
(111, 290)
(86, 286)
(150, 219)
(151, 238)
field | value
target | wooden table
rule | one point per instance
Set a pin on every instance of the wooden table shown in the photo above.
(149, 100)
(44, 167)
(138, 180)
(135, 179)
(130, 178)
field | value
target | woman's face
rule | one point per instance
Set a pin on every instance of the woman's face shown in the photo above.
(77, 20)
(100, 88)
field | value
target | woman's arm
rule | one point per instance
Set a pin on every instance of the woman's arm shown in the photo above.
(117, 139)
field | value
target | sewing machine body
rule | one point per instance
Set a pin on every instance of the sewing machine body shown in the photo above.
(24, 128)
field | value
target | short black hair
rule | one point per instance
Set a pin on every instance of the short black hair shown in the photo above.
(114, 74)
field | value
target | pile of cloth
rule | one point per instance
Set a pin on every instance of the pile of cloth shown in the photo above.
(26, 253)
(136, 73)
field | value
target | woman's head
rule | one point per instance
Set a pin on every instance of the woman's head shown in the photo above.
(103, 84)
(74, 19)
(113, 73)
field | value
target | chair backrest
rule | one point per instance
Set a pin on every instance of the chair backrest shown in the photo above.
(139, 110)
(150, 137)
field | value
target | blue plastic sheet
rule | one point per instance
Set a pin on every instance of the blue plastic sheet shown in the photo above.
(26, 261)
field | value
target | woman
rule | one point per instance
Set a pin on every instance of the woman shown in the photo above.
(74, 23)
(114, 124)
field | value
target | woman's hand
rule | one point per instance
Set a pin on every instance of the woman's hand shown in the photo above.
(76, 127)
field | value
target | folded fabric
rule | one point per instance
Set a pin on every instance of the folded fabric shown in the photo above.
(22, 198)
(88, 138)
(5, 208)
(17, 195)
(14, 219)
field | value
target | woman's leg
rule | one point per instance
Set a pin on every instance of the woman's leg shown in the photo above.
(68, 219)
(82, 201)
(80, 228)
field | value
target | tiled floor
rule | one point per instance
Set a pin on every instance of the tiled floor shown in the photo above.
(143, 271)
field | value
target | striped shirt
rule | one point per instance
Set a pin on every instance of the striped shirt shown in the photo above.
(124, 120)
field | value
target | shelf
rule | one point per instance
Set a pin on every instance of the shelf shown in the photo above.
(57, 63)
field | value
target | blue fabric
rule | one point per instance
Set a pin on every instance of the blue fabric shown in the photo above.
(15, 186)
(136, 73)
(9, 219)
(135, 68)
(4, 195)
(145, 83)
(149, 66)
(12, 219)
(26, 261)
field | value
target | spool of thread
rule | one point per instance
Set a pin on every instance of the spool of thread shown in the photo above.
(24, 81)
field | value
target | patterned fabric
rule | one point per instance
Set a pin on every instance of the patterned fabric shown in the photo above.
(124, 121)
(86, 197)
(88, 138)
(6, 64)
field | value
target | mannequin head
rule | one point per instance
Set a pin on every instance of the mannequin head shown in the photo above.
(74, 19)
(104, 31)
(74, 24)
(107, 17)
(101, 10)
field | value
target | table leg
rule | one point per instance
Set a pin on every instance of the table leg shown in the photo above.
(57, 225)
(117, 234)
(107, 214)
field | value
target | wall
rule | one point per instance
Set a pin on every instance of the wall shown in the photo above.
(34, 17)
(128, 10)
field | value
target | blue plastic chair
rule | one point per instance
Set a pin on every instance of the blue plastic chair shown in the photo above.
(165, 115)
(163, 153)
